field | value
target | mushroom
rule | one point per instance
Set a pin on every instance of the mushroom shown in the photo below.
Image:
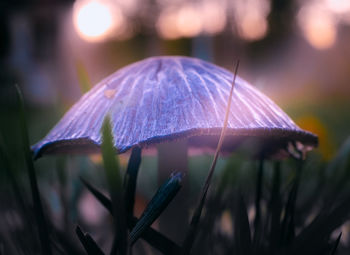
(168, 98)
(175, 98)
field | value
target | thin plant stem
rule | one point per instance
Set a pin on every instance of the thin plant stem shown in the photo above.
(198, 211)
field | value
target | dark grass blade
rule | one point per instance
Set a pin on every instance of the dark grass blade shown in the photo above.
(68, 244)
(288, 223)
(130, 182)
(105, 201)
(258, 195)
(114, 180)
(38, 208)
(275, 207)
(62, 179)
(158, 240)
(323, 225)
(242, 233)
(88, 243)
(338, 169)
(192, 231)
(151, 236)
(336, 244)
(15, 185)
(157, 205)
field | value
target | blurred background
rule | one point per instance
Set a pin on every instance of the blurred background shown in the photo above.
(296, 52)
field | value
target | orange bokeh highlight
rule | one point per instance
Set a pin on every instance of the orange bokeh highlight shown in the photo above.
(314, 125)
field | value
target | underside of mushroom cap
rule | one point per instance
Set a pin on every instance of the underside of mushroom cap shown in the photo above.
(168, 98)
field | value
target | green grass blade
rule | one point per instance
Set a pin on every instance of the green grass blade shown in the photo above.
(130, 182)
(114, 181)
(38, 208)
(157, 205)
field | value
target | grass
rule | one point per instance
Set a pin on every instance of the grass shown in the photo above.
(288, 207)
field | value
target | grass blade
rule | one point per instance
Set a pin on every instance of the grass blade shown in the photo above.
(275, 209)
(151, 236)
(288, 225)
(105, 201)
(38, 208)
(158, 240)
(191, 233)
(157, 205)
(309, 240)
(130, 182)
(114, 181)
(336, 243)
(9, 171)
(241, 227)
(258, 196)
(88, 243)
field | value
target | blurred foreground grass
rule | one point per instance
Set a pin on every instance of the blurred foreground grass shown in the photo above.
(325, 181)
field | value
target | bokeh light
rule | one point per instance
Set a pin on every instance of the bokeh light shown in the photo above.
(191, 20)
(338, 6)
(213, 17)
(318, 25)
(97, 20)
(250, 18)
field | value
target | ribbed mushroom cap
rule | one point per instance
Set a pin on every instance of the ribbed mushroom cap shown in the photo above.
(165, 98)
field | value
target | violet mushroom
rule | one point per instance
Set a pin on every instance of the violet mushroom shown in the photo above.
(175, 98)
(161, 99)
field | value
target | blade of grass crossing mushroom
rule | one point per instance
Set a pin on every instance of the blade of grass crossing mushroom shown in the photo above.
(38, 208)
(130, 182)
(190, 235)
(157, 205)
(88, 243)
(151, 236)
(114, 180)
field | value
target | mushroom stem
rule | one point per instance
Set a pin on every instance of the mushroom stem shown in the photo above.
(173, 157)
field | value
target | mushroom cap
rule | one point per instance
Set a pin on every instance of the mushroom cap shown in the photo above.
(171, 97)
